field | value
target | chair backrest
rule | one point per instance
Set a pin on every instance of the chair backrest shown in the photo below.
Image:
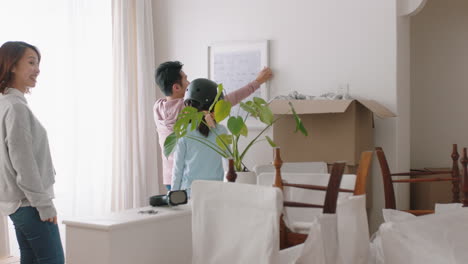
(287, 237)
(388, 181)
(294, 167)
(302, 195)
(363, 172)
(235, 223)
(350, 184)
(360, 179)
(332, 188)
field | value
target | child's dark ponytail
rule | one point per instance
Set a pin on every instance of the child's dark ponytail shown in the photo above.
(202, 127)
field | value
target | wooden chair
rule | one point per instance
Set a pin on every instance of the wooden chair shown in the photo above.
(242, 220)
(289, 238)
(388, 180)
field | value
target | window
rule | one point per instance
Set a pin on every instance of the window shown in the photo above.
(73, 96)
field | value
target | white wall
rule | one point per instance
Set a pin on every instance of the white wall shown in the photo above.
(439, 83)
(402, 159)
(315, 45)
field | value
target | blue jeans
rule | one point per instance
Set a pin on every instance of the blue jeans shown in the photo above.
(39, 242)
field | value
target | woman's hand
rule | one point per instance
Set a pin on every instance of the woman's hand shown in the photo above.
(52, 220)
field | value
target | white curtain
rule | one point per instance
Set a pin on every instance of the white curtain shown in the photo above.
(73, 97)
(134, 133)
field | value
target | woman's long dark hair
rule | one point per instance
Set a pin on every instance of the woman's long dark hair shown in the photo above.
(10, 53)
(202, 127)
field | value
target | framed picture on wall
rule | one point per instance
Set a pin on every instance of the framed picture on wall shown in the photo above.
(235, 64)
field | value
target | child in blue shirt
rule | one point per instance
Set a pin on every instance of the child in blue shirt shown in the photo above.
(194, 160)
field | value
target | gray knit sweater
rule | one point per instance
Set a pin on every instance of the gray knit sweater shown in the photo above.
(26, 169)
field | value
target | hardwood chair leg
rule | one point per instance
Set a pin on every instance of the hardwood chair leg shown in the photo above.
(456, 175)
(464, 162)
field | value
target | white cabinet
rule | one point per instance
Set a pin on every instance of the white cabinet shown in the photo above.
(131, 237)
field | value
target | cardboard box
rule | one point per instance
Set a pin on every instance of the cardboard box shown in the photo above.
(339, 130)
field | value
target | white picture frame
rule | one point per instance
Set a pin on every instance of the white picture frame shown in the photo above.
(235, 64)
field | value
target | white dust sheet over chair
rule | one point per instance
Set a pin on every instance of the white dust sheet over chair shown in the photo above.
(235, 223)
(239, 223)
(353, 231)
(427, 239)
(321, 245)
(341, 238)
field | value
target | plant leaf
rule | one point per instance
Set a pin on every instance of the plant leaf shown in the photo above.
(259, 101)
(220, 92)
(299, 124)
(250, 107)
(265, 114)
(235, 125)
(272, 144)
(244, 131)
(188, 115)
(170, 144)
(224, 138)
(222, 110)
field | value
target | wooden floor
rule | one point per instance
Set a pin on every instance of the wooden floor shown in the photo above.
(10, 260)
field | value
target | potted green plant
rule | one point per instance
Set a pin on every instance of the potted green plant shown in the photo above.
(227, 145)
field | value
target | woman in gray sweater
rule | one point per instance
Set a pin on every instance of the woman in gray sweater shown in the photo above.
(26, 171)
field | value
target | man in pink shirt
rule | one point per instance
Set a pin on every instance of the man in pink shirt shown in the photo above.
(173, 83)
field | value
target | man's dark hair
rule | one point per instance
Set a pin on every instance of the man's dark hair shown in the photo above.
(167, 74)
